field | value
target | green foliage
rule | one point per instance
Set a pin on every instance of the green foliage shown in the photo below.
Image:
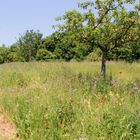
(129, 52)
(94, 56)
(44, 55)
(14, 53)
(29, 44)
(110, 26)
(52, 41)
(65, 51)
(3, 53)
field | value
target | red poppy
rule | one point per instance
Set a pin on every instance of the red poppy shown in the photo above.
(101, 99)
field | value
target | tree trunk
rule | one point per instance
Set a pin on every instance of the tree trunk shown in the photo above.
(103, 67)
(30, 55)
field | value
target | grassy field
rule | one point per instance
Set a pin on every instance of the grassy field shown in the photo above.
(70, 101)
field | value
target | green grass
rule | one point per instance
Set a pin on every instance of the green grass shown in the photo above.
(70, 101)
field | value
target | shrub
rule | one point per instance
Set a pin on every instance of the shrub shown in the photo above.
(43, 54)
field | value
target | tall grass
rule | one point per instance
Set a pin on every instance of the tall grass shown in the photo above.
(70, 101)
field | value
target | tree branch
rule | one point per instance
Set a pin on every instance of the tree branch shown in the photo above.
(106, 12)
(117, 42)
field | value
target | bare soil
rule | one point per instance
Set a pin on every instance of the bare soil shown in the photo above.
(7, 128)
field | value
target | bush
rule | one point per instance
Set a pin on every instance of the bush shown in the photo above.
(94, 56)
(43, 54)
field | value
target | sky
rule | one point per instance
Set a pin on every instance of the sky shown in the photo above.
(17, 16)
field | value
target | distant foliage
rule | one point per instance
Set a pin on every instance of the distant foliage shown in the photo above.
(60, 46)
(44, 55)
(94, 56)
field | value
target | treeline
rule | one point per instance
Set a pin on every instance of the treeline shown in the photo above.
(111, 32)
(31, 46)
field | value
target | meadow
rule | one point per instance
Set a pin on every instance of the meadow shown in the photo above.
(70, 101)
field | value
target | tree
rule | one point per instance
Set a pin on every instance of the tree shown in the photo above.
(14, 53)
(50, 42)
(3, 54)
(29, 44)
(106, 24)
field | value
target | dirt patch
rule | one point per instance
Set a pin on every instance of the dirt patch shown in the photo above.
(7, 128)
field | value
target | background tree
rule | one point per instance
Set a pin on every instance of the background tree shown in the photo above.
(29, 44)
(14, 53)
(50, 42)
(3, 54)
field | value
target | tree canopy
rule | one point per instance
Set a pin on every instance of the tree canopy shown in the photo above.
(103, 27)
(106, 24)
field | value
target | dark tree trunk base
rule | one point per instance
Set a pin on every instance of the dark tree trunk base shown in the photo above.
(103, 67)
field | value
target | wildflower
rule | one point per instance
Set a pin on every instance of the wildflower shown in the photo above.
(115, 99)
(117, 95)
(114, 82)
(120, 104)
(122, 99)
(82, 138)
(130, 94)
(75, 90)
(136, 88)
(101, 99)
(120, 72)
(71, 101)
(59, 125)
(110, 93)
